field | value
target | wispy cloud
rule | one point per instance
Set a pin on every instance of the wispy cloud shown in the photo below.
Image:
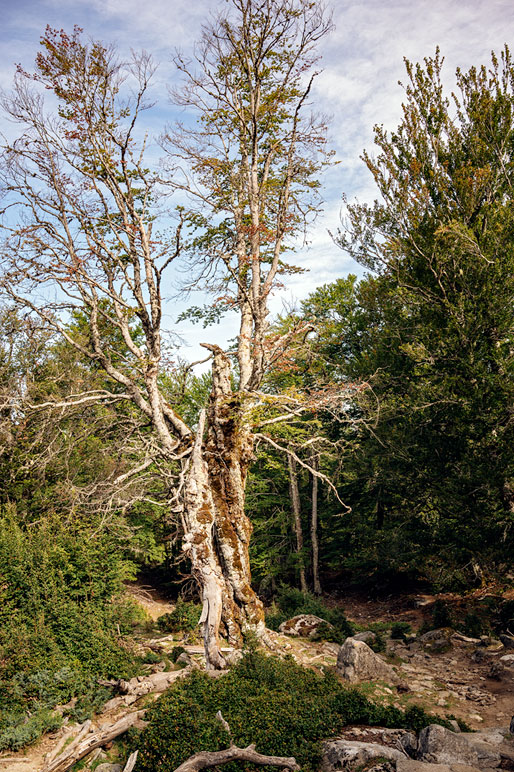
(362, 60)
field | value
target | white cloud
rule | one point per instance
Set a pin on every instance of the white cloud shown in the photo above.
(363, 61)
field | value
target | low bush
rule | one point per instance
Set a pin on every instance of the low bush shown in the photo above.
(400, 629)
(283, 708)
(184, 618)
(176, 652)
(62, 618)
(290, 602)
(18, 730)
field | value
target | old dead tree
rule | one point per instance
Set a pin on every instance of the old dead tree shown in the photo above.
(81, 220)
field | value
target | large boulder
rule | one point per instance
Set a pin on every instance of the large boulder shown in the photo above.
(303, 625)
(351, 754)
(357, 662)
(409, 765)
(438, 745)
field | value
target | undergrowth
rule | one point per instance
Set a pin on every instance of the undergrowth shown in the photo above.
(62, 623)
(290, 602)
(283, 708)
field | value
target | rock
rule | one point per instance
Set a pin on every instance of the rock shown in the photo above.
(496, 671)
(357, 662)
(368, 637)
(507, 640)
(455, 726)
(304, 625)
(408, 765)
(437, 640)
(109, 768)
(511, 727)
(350, 754)
(438, 745)
(409, 743)
(507, 660)
(488, 755)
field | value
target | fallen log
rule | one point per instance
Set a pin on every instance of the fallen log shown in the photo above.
(207, 759)
(83, 747)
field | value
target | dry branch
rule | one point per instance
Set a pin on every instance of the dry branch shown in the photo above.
(207, 759)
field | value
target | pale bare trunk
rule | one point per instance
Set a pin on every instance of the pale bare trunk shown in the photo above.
(314, 529)
(229, 451)
(297, 520)
(199, 545)
(217, 529)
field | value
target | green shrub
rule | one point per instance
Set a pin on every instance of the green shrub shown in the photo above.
(176, 652)
(151, 658)
(291, 602)
(441, 616)
(18, 730)
(474, 625)
(400, 629)
(379, 643)
(283, 708)
(184, 618)
(61, 616)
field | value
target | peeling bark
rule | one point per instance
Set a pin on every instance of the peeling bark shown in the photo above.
(228, 452)
(199, 545)
(217, 528)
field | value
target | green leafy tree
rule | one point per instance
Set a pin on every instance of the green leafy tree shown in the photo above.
(434, 326)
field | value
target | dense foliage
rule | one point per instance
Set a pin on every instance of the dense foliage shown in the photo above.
(285, 709)
(62, 621)
(426, 458)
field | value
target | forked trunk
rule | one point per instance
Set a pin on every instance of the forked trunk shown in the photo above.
(217, 527)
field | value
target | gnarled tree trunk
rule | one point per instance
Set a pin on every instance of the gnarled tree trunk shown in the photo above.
(217, 528)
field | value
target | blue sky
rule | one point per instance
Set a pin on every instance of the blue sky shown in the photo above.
(362, 61)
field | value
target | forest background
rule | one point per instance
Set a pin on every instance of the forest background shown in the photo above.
(412, 482)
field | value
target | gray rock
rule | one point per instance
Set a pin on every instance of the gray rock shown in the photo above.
(438, 745)
(109, 768)
(184, 658)
(408, 765)
(507, 640)
(488, 755)
(304, 625)
(507, 660)
(367, 636)
(350, 754)
(409, 743)
(357, 662)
